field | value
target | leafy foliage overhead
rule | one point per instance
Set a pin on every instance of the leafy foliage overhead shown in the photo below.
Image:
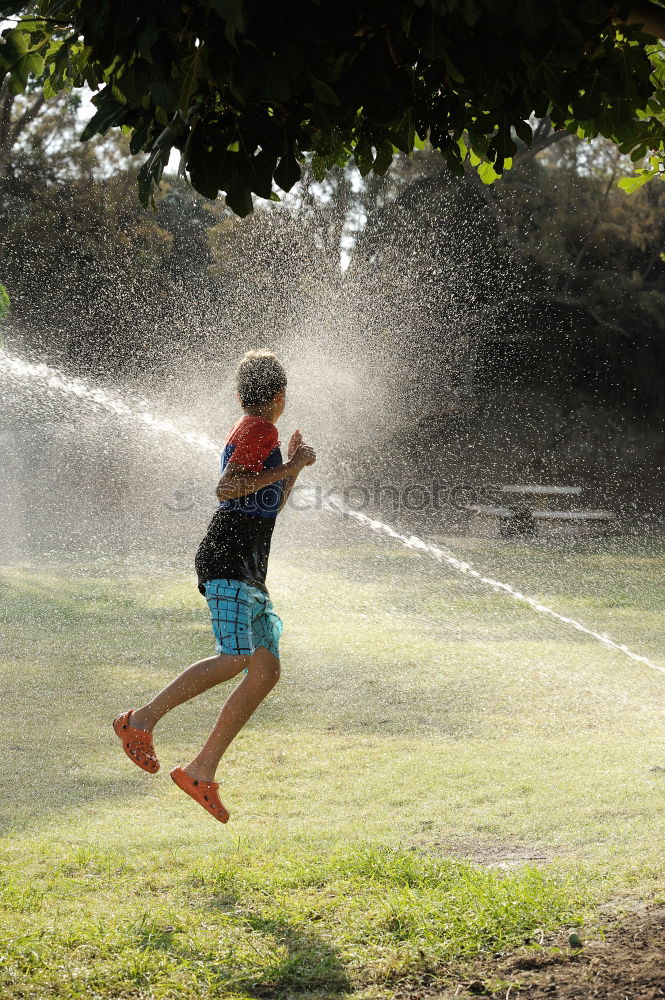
(246, 90)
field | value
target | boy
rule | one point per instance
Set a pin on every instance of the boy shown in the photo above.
(231, 564)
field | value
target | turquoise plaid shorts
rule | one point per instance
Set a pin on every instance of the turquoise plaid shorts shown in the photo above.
(243, 618)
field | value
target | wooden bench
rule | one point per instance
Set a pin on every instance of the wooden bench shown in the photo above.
(511, 521)
(522, 520)
(537, 497)
(573, 515)
(487, 511)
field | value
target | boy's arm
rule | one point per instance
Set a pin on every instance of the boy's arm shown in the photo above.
(286, 489)
(289, 481)
(238, 481)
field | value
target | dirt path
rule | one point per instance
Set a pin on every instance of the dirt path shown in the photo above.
(623, 961)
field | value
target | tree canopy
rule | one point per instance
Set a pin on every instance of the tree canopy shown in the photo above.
(247, 91)
(555, 258)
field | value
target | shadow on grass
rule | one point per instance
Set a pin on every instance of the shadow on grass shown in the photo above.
(298, 962)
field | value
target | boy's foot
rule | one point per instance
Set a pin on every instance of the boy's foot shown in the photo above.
(203, 792)
(137, 743)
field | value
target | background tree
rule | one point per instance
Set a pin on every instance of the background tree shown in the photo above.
(578, 264)
(4, 308)
(245, 92)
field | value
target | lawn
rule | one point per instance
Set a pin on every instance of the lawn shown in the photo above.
(439, 775)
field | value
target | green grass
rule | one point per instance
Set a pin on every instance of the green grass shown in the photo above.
(244, 921)
(424, 729)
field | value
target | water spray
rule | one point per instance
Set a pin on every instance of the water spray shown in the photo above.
(19, 369)
(441, 555)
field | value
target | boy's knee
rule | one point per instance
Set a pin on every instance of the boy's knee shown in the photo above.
(268, 669)
(271, 673)
(225, 663)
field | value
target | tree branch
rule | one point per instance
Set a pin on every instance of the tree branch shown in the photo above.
(538, 145)
(649, 16)
(575, 303)
(585, 242)
(6, 102)
(655, 256)
(28, 115)
(542, 129)
(494, 210)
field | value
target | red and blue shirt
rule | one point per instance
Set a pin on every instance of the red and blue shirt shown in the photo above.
(237, 543)
(252, 443)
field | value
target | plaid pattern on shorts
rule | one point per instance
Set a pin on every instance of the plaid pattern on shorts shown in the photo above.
(243, 618)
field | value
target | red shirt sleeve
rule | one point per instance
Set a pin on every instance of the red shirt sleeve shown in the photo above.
(253, 443)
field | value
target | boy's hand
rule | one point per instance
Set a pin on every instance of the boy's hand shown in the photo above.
(296, 440)
(302, 456)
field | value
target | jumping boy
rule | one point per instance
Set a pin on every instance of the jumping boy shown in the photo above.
(231, 564)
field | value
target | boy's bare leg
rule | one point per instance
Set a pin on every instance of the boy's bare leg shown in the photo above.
(263, 674)
(194, 680)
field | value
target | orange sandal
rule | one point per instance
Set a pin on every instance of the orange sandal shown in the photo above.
(137, 743)
(203, 792)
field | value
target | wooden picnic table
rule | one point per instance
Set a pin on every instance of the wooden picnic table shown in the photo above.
(540, 495)
(523, 506)
(539, 490)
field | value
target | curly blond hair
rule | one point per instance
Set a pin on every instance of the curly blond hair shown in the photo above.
(260, 375)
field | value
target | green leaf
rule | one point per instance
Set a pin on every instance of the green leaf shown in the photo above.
(502, 142)
(260, 173)
(231, 12)
(451, 69)
(140, 134)
(405, 133)
(165, 93)
(524, 132)
(533, 16)
(239, 200)
(34, 63)
(319, 167)
(211, 167)
(487, 173)
(632, 184)
(134, 83)
(384, 157)
(18, 60)
(288, 172)
(110, 112)
(479, 145)
(48, 88)
(470, 12)
(145, 184)
(16, 44)
(363, 156)
(4, 301)
(324, 92)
